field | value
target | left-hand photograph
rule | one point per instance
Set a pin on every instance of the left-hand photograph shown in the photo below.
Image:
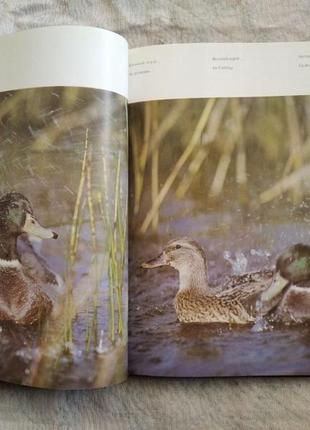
(63, 237)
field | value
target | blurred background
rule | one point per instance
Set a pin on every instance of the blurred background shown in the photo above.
(253, 153)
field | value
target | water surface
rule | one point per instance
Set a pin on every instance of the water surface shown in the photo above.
(161, 346)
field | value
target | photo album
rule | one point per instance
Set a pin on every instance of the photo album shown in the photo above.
(154, 209)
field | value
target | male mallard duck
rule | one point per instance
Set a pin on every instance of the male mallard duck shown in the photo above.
(22, 299)
(289, 292)
(196, 301)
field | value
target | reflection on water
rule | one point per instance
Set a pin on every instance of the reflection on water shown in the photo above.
(161, 346)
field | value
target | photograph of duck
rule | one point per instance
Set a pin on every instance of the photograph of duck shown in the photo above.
(219, 237)
(284, 291)
(23, 288)
(63, 227)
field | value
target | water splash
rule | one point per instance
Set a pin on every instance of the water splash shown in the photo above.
(101, 348)
(260, 323)
(239, 264)
(260, 253)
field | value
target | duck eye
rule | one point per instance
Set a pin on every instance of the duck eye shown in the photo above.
(177, 246)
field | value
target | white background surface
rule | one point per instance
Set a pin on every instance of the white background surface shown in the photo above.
(64, 56)
(205, 70)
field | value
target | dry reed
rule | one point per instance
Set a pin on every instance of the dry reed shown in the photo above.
(179, 164)
(225, 137)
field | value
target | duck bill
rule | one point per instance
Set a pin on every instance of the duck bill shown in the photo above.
(32, 226)
(158, 261)
(277, 286)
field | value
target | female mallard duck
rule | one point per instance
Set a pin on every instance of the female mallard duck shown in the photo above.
(22, 296)
(196, 301)
(289, 294)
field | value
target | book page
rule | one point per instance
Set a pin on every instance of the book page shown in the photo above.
(63, 208)
(219, 209)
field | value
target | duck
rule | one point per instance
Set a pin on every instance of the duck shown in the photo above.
(288, 296)
(199, 302)
(23, 299)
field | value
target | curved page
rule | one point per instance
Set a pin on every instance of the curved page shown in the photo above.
(63, 167)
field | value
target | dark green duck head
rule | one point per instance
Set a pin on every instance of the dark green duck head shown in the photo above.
(17, 217)
(292, 268)
(294, 264)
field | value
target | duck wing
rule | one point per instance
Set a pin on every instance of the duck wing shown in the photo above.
(21, 300)
(247, 287)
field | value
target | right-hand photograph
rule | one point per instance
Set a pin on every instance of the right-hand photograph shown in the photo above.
(219, 237)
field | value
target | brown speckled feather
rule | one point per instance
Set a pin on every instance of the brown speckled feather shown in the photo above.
(194, 306)
(233, 305)
(21, 300)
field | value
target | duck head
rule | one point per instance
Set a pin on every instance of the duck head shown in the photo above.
(188, 258)
(292, 267)
(16, 217)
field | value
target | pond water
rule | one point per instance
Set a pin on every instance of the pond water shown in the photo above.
(80, 366)
(160, 346)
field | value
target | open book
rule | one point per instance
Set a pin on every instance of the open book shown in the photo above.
(217, 228)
